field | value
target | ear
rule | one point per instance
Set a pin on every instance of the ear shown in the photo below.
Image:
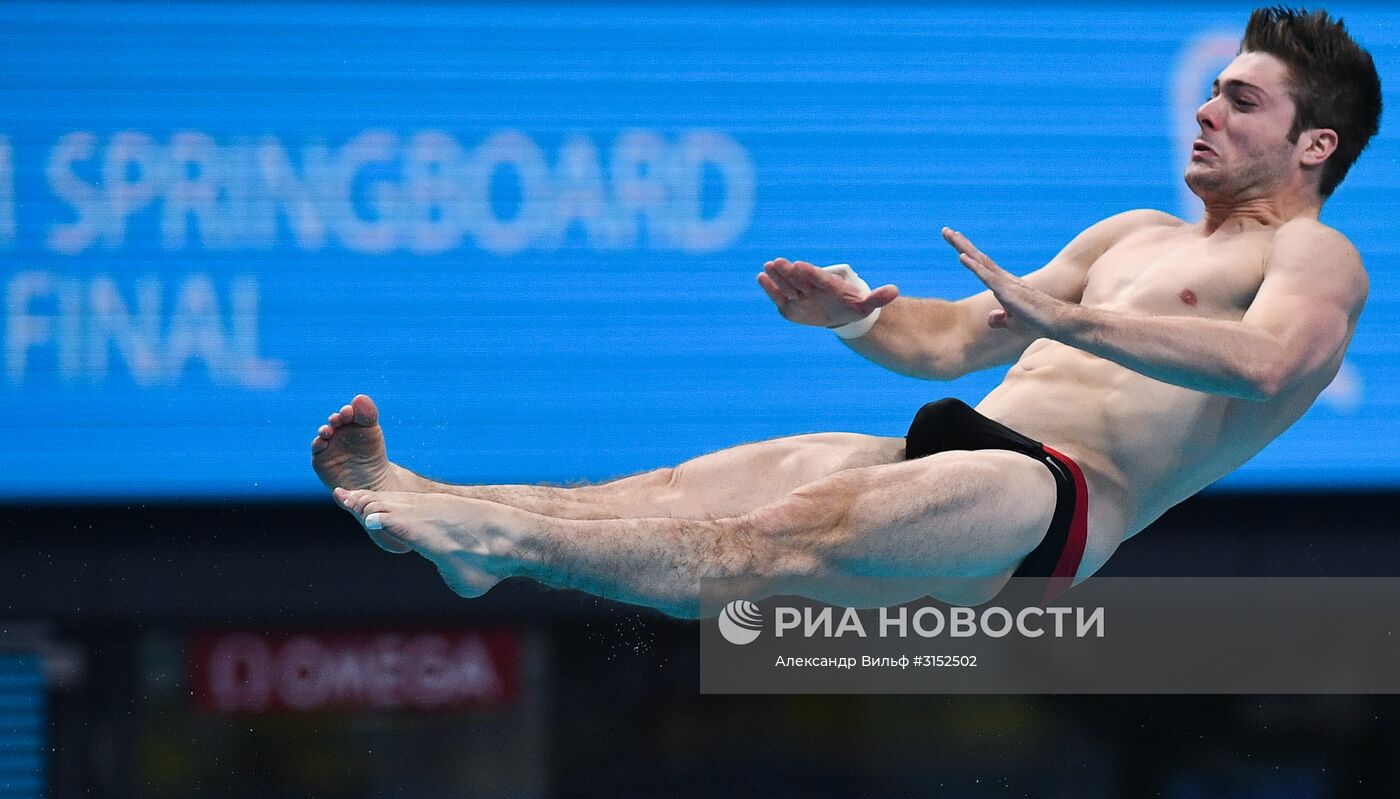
(1320, 143)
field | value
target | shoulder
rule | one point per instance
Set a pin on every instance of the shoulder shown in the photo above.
(1115, 228)
(1104, 234)
(1309, 244)
(1314, 255)
(1136, 220)
(1311, 237)
(1142, 218)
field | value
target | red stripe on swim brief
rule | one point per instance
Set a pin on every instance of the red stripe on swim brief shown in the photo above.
(1073, 553)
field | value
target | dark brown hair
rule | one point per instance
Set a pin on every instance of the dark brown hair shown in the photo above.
(1333, 81)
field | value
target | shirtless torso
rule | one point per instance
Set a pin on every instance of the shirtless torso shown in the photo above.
(1144, 444)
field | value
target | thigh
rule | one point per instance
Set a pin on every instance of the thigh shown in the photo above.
(961, 516)
(737, 480)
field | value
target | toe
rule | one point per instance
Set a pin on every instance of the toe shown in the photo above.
(347, 499)
(361, 499)
(364, 411)
(319, 444)
(386, 527)
(335, 420)
(326, 431)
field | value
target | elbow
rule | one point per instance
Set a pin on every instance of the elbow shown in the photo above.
(935, 367)
(1266, 381)
(954, 354)
(941, 374)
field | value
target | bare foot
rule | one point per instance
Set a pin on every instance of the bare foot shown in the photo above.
(348, 451)
(455, 533)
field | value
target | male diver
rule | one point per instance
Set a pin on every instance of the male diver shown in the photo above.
(1150, 357)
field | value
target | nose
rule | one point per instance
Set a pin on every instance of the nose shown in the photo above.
(1206, 115)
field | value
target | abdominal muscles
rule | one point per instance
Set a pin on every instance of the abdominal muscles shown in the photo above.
(1146, 444)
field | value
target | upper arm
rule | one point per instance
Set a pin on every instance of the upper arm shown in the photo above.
(1313, 290)
(1063, 278)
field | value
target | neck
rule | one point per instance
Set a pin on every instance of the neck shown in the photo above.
(1236, 215)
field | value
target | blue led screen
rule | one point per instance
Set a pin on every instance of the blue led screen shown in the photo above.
(532, 233)
(23, 732)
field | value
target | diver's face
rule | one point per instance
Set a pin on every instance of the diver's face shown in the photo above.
(1243, 151)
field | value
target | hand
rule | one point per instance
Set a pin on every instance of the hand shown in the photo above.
(1023, 306)
(808, 295)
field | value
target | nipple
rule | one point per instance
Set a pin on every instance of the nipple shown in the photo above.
(1188, 296)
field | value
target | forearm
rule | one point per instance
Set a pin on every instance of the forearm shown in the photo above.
(1209, 355)
(913, 337)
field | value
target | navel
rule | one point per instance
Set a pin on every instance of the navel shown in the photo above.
(1188, 296)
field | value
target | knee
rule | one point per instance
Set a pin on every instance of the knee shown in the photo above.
(652, 480)
(663, 492)
(818, 511)
(668, 477)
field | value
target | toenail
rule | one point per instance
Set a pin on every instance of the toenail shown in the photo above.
(372, 522)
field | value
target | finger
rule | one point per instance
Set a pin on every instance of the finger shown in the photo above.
(806, 276)
(951, 236)
(960, 242)
(780, 280)
(771, 289)
(879, 298)
(963, 244)
(978, 269)
(790, 271)
(998, 319)
(994, 277)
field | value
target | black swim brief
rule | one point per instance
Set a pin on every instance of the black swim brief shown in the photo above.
(950, 424)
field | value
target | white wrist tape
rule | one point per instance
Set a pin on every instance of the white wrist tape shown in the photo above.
(861, 326)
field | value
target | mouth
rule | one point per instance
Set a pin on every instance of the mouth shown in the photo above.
(1200, 149)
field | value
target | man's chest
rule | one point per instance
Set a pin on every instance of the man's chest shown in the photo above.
(1172, 278)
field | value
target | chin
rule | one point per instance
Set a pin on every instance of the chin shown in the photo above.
(1200, 185)
(1205, 185)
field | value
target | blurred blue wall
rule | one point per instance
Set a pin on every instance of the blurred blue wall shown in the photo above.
(532, 233)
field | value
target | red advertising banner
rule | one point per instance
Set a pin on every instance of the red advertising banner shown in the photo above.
(254, 672)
